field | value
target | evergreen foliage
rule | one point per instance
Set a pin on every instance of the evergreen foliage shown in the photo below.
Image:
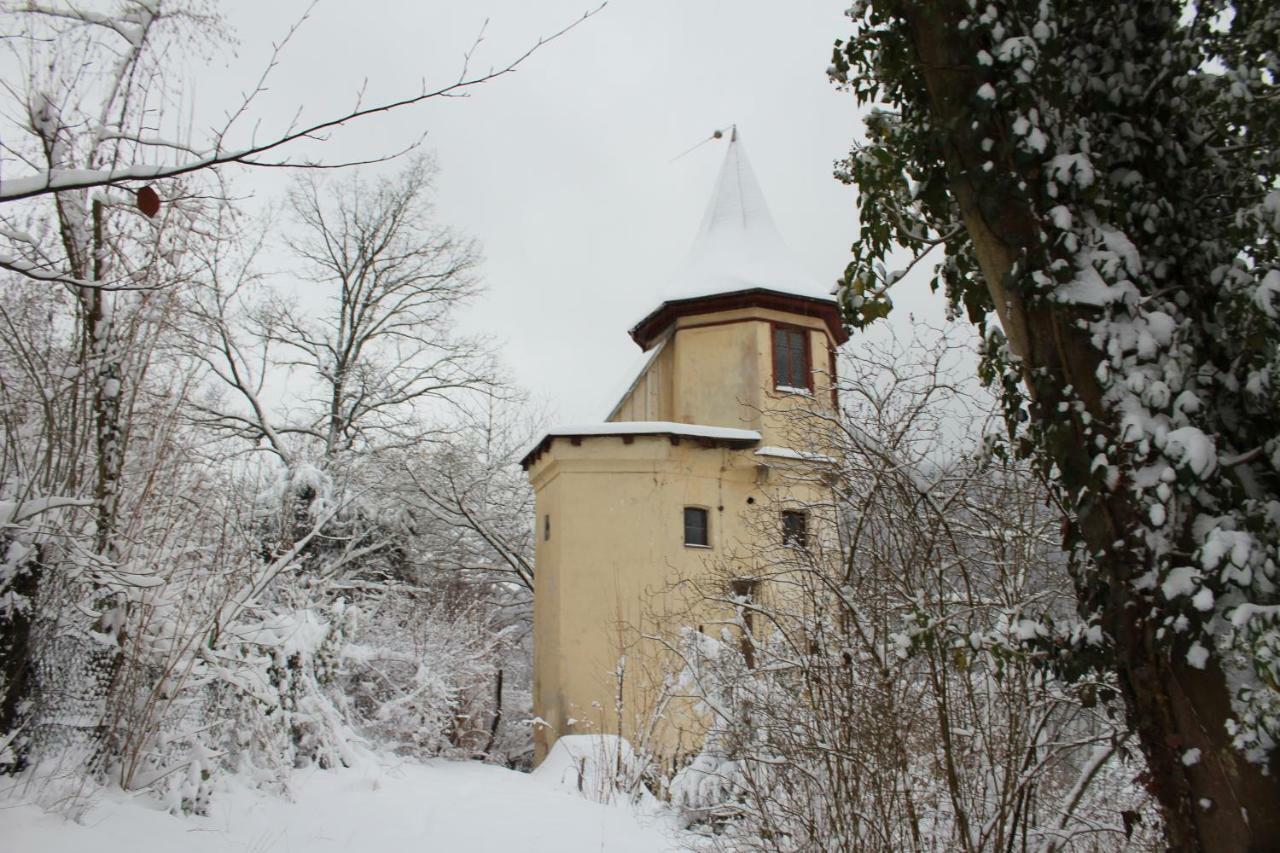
(1103, 179)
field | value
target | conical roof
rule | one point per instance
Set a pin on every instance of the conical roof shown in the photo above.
(738, 246)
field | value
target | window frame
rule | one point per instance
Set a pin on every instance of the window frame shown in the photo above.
(789, 537)
(706, 526)
(777, 331)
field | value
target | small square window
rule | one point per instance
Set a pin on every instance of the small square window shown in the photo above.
(795, 528)
(695, 526)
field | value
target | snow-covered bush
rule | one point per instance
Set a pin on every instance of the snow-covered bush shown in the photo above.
(424, 675)
(602, 768)
(207, 563)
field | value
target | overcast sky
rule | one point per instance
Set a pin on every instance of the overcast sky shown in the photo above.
(564, 170)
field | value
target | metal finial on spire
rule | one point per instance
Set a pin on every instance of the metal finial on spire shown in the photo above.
(718, 133)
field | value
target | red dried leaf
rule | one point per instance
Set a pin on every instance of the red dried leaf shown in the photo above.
(148, 201)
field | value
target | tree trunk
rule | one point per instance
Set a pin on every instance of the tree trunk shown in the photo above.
(497, 714)
(1222, 802)
(102, 353)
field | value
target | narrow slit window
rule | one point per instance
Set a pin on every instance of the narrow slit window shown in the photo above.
(546, 527)
(791, 358)
(832, 379)
(695, 526)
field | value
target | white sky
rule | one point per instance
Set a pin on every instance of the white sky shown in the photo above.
(563, 170)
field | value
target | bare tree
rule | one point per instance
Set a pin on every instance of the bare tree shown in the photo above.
(386, 346)
(379, 360)
(474, 504)
(130, 39)
(405, 424)
(97, 442)
(98, 344)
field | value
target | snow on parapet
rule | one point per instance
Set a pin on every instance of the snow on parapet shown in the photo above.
(797, 455)
(657, 428)
(738, 245)
(670, 429)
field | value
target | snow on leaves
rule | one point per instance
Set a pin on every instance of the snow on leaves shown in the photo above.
(1150, 166)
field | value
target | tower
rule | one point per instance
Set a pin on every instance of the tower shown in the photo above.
(662, 487)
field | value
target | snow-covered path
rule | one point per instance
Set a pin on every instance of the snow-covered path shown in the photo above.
(434, 808)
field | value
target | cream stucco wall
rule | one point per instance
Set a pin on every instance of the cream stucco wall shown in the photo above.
(717, 369)
(607, 570)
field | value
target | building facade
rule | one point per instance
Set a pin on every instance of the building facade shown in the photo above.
(680, 484)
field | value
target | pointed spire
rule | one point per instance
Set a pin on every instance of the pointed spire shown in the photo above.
(738, 245)
(736, 204)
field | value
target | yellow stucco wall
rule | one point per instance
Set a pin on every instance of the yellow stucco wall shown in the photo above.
(717, 369)
(605, 575)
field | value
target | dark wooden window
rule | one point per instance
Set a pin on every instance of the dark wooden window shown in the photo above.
(795, 528)
(791, 358)
(744, 591)
(695, 526)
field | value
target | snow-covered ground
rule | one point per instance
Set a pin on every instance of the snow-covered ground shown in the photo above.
(382, 807)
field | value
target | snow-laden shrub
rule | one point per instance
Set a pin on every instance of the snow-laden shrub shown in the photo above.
(354, 644)
(257, 659)
(423, 674)
(713, 787)
(603, 768)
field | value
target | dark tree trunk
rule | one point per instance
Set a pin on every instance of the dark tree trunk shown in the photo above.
(16, 680)
(1222, 802)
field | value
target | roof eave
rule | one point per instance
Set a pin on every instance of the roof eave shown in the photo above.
(646, 332)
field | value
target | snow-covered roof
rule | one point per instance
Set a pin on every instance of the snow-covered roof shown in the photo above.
(737, 257)
(657, 428)
(788, 453)
(725, 435)
(738, 246)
